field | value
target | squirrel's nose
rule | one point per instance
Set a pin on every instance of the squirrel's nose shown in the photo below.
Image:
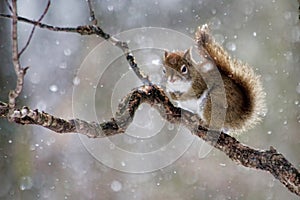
(171, 79)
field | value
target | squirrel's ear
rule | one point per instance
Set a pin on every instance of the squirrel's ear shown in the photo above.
(187, 55)
(166, 54)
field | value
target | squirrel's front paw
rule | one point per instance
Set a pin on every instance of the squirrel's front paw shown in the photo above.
(175, 95)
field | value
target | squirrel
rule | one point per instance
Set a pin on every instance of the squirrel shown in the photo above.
(216, 84)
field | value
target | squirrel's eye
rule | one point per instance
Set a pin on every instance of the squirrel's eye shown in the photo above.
(183, 69)
(164, 71)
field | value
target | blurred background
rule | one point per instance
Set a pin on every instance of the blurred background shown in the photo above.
(36, 163)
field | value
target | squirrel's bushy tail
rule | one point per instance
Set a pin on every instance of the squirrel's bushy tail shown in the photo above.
(241, 73)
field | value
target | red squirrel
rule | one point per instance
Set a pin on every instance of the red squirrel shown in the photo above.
(192, 85)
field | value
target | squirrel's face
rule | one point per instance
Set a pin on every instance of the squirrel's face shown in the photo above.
(177, 66)
(177, 71)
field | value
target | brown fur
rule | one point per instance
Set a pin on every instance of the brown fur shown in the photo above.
(243, 89)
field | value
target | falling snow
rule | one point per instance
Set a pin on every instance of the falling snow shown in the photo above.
(39, 164)
(116, 186)
(53, 88)
(26, 183)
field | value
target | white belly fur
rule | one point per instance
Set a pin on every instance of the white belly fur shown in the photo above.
(193, 105)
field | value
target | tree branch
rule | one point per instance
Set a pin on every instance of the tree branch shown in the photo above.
(92, 13)
(9, 6)
(93, 30)
(20, 72)
(267, 160)
(33, 29)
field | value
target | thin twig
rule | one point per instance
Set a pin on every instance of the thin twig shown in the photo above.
(9, 6)
(20, 72)
(15, 57)
(130, 58)
(93, 30)
(92, 13)
(44, 26)
(124, 47)
(33, 29)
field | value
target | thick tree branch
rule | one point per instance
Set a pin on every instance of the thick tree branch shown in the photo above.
(267, 160)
